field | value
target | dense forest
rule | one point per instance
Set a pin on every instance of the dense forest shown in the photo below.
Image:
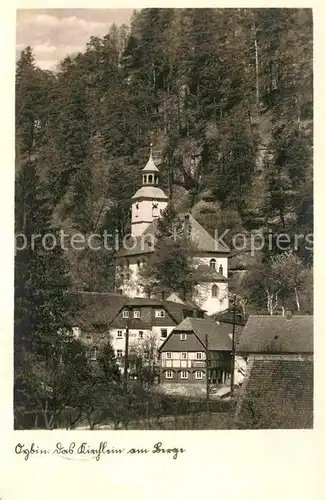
(224, 95)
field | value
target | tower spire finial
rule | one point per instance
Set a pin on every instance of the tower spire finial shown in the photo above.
(151, 149)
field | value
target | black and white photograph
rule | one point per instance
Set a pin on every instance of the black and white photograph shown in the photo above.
(163, 219)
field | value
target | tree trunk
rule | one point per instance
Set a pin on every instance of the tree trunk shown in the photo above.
(256, 67)
(297, 298)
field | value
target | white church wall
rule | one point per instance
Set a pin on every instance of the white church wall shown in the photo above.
(212, 305)
(143, 213)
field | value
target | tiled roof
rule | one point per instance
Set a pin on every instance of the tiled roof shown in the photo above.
(217, 334)
(206, 273)
(98, 308)
(103, 309)
(277, 334)
(278, 394)
(199, 236)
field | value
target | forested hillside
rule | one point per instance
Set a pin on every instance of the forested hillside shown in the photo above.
(224, 95)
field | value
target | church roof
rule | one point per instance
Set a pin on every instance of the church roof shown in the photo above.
(150, 192)
(150, 165)
(199, 236)
(206, 273)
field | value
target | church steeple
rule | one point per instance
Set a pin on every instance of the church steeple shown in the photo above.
(149, 201)
(150, 171)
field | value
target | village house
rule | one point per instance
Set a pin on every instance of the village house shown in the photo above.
(277, 391)
(196, 353)
(107, 316)
(211, 256)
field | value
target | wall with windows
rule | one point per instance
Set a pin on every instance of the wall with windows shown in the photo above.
(183, 376)
(183, 359)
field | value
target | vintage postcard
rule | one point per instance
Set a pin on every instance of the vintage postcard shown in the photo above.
(163, 172)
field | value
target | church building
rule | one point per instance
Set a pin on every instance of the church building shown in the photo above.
(211, 259)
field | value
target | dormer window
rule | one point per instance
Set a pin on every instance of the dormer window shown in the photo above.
(125, 314)
(183, 336)
(160, 313)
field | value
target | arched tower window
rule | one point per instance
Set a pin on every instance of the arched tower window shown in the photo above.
(144, 179)
(150, 179)
(212, 263)
(220, 269)
(214, 291)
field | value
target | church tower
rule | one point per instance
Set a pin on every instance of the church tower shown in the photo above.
(149, 201)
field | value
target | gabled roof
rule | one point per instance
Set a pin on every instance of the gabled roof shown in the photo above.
(217, 334)
(199, 236)
(277, 334)
(278, 394)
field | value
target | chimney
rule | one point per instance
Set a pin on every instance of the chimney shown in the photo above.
(162, 294)
(288, 314)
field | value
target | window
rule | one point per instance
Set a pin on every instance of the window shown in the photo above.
(169, 374)
(214, 291)
(137, 206)
(137, 314)
(168, 355)
(125, 314)
(119, 353)
(93, 353)
(164, 333)
(184, 374)
(183, 355)
(199, 355)
(183, 336)
(140, 335)
(150, 179)
(119, 334)
(220, 270)
(145, 179)
(198, 375)
(212, 263)
(159, 313)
